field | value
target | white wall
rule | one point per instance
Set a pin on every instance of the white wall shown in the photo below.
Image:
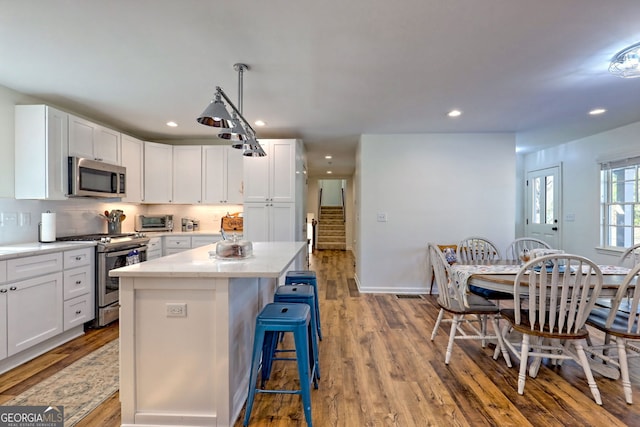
(433, 188)
(581, 185)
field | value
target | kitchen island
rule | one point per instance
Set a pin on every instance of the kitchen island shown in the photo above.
(186, 332)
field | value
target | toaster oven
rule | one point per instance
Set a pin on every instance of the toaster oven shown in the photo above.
(154, 223)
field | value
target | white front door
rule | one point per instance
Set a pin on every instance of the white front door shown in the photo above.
(543, 209)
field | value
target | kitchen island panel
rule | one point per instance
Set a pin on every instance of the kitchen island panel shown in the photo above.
(191, 370)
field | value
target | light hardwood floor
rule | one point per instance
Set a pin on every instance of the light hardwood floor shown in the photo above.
(379, 368)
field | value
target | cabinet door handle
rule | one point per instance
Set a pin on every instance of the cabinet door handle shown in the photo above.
(3, 291)
(78, 311)
(78, 258)
(13, 288)
(78, 282)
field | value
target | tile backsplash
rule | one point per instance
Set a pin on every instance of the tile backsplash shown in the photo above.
(19, 218)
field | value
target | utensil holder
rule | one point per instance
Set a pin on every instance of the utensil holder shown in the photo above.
(114, 227)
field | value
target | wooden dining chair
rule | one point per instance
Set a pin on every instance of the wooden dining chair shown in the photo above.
(479, 249)
(560, 292)
(443, 248)
(620, 321)
(467, 321)
(518, 245)
(630, 257)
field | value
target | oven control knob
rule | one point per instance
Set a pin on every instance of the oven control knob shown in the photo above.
(105, 239)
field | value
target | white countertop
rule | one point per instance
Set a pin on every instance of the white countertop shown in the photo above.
(36, 248)
(269, 259)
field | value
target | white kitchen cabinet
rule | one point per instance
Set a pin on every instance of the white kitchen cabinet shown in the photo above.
(3, 321)
(133, 159)
(275, 192)
(158, 172)
(197, 241)
(222, 175)
(154, 248)
(34, 311)
(3, 304)
(187, 174)
(269, 222)
(272, 178)
(78, 287)
(93, 141)
(41, 151)
(175, 244)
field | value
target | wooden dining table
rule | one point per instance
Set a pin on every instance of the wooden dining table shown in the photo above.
(503, 279)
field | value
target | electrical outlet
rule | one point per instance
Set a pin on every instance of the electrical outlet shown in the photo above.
(382, 217)
(176, 309)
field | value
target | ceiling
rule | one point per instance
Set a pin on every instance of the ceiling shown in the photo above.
(328, 71)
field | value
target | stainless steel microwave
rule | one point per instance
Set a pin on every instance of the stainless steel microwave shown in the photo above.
(154, 223)
(90, 178)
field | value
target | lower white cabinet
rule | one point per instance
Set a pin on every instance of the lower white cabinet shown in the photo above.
(41, 297)
(3, 322)
(269, 222)
(154, 248)
(175, 244)
(197, 241)
(34, 311)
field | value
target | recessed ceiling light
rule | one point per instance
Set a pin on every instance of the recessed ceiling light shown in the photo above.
(260, 123)
(328, 157)
(329, 172)
(597, 111)
(454, 113)
(172, 124)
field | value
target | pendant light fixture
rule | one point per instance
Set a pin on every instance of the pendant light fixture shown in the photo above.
(234, 127)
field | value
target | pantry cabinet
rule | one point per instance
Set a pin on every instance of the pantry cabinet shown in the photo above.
(222, 175)
(93, 141)
(272, 178)
(269, 222)
(187, 174)
(41, 151)
(133, 159)
(275, 192)
(158, 172)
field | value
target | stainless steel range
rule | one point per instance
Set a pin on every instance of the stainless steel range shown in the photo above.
(112, 251)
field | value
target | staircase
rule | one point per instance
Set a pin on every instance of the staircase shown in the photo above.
(331, 231)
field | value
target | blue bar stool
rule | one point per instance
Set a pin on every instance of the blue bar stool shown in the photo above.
(303, 294)
(307, 277)
(273, 319)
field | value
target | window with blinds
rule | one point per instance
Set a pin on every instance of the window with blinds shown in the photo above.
(620, 202)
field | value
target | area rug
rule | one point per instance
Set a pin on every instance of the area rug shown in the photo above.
(79, 388)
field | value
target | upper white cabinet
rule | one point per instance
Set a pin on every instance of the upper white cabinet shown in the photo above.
(133, 160)
(41, 151)
(222, 175)
(92, 141)
(187, 174)
(158, 172)
(271, 178)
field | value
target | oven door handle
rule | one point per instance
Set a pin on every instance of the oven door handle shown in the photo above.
(125, 252)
